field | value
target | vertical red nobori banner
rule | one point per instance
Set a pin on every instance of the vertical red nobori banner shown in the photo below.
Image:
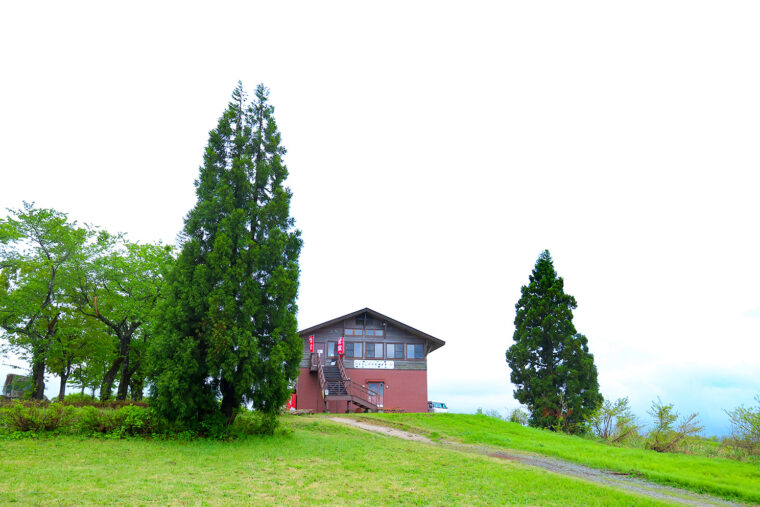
(340, 346)
(311, 343)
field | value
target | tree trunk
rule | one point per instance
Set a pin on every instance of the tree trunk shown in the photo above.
(120, 363)
(38, 379)
(125, 376)
(108, 379)
(136, 387)
(228, 403)
(62, 390)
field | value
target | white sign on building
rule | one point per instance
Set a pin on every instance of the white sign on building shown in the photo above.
(373, 364)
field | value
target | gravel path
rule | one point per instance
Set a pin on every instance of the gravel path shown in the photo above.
(607, 478)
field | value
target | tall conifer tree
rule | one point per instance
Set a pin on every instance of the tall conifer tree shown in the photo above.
(227, 333)
(551, 366)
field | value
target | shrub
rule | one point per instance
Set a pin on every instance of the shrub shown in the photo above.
(34, 417)
(745, 428)
(134, 420)
(128, 420)
(614, 421)
(666, 435)
(91, 420)
(79, 398)
(519, 416)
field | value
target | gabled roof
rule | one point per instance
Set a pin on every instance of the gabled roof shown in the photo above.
(435, 343)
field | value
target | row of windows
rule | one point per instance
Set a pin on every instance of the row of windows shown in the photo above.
(365, 332)
(375, 350)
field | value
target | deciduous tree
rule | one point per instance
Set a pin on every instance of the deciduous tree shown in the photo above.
(552, 369)
(669, 432)
(118, 283)
(37, 247)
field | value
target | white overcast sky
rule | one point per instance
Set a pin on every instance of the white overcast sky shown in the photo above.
(435, 148)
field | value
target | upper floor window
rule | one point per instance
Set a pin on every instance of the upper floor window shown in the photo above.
(395, 350)
(374, 332)
(353, 332)
(330, 349)
(414, 351)
(374, 350)
(353, 349)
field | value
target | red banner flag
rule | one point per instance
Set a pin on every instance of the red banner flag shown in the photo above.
(340, 346)
(311, 343)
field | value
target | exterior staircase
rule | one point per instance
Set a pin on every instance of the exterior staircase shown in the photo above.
(337, 386)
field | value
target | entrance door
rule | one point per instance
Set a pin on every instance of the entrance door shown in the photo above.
(376, 393)
(320, 348)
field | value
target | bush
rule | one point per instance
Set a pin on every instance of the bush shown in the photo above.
(134, 420)
(34, 417)
(614, 421)
(79, 398)
(91, 420)
(128, 420)
(666, 436)
(519, 416)
(745, 428)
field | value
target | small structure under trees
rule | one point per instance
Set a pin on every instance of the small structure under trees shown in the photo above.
(552, 369)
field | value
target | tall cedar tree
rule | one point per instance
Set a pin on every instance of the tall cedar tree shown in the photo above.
(551, 366)
(227, 332)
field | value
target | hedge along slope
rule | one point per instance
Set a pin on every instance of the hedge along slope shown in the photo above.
(113, 418)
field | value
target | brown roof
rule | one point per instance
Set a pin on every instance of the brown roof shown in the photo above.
(435, 342)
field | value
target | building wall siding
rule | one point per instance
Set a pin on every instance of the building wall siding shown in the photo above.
(404, 390)
(391, 335)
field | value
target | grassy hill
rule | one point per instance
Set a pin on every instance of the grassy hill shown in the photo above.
(717, 476)
(315, 461)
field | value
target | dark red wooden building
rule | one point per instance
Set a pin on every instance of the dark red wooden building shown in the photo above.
(384, 366)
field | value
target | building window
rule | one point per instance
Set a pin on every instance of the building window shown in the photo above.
(375, 350)
(374, 332)
(330, 349)
(353, 332)
(413, 351)
(395, 351)
(353, 349)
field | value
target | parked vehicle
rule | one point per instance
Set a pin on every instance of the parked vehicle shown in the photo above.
(437, 407)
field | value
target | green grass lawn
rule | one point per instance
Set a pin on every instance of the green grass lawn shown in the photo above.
(718, 476)
(319, 462)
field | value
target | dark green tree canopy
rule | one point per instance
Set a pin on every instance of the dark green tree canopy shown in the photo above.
(228, 328)
(551, 366)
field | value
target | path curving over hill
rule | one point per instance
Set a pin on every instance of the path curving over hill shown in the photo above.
(612, 479)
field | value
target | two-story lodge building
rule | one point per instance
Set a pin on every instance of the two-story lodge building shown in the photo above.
(384, 366)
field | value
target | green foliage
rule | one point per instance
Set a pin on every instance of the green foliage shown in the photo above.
(668, 433)
(519, 416)
(227, 330)
(80, 398)
(116, 419)
(37, 251)
(552, 369)
(117, 286)
(50, 274)
(614, 421)
(745, 428)
(23, 417)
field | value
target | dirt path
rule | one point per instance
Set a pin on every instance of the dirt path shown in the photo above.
(607, 478)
